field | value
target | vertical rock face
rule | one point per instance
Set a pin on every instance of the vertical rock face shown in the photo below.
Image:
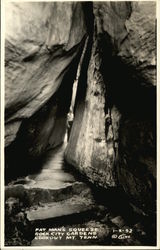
(113, 135)
(131, 89)
(91, 143)
(41, 59)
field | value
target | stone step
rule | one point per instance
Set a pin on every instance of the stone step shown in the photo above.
(36, 195)
(75, 205)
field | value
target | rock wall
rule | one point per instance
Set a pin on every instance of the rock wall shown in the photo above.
(41, 60)
(112, 140)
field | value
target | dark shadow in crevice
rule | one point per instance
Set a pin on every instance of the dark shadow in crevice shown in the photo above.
(126, 88)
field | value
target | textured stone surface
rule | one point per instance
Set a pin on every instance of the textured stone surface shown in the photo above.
(72, 206)
(91, 143)
(130, 28)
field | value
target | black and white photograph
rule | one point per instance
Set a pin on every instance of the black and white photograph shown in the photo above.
(79, 124)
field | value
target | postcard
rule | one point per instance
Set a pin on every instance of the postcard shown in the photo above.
(79, 133)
